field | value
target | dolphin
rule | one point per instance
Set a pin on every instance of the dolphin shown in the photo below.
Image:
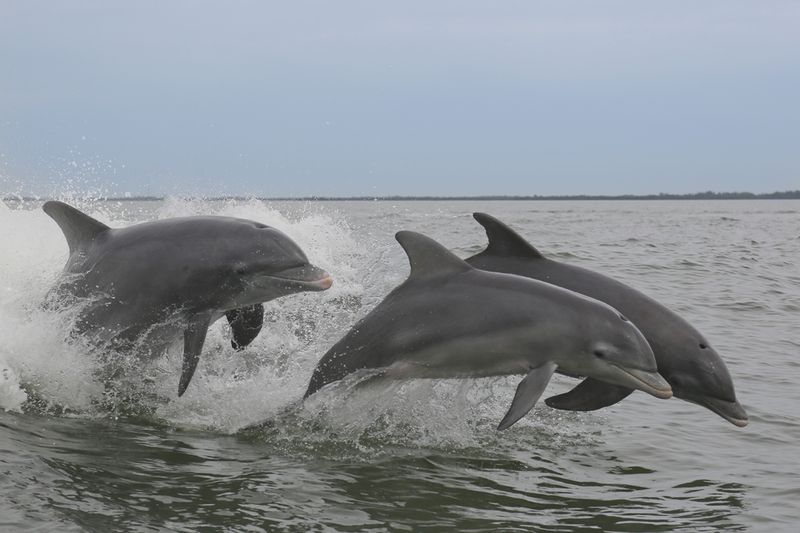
(450, 320)
(148, 285)
(685, 357)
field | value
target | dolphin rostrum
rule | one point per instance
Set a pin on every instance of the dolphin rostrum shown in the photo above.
(685, 358)
(151, 283)
(450, 320)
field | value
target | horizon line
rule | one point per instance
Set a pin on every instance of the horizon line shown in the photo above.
(706, 195)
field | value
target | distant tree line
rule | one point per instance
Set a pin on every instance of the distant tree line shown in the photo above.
(707, 195)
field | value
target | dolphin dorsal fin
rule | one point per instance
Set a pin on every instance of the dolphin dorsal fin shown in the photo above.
(79, 228)
(428, 257)
(504, 241)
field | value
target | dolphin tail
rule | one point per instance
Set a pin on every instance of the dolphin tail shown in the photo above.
(79, 228)
(528, 392)
(589, 395)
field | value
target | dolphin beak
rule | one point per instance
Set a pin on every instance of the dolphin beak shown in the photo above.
(649, 382)
(309, 277)
(733, 411)
(323, 283)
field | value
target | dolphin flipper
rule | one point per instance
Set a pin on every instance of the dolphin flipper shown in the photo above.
(528, 391)
(245, 324)
(193, 338)
(589, 395)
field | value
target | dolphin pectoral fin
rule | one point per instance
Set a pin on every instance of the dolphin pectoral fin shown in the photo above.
(589, 395)
(528, 391)
(245, 324)
(193, 338)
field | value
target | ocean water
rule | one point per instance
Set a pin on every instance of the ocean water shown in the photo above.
(77, 454)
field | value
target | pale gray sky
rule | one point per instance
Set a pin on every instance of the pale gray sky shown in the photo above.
(372, 98)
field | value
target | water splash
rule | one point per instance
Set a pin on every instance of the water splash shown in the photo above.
(51, 371)
(44, 365)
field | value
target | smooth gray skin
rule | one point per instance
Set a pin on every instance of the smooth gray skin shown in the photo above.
(449, 320)
(685, 358)
(146, 285)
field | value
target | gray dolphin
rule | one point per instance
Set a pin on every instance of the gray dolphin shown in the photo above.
(149, 284)
(685, 358)
(450, 320)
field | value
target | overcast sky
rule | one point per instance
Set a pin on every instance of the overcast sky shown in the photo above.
(412, 97)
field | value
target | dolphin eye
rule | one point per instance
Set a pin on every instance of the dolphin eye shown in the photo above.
(599, 353)
(703, 346)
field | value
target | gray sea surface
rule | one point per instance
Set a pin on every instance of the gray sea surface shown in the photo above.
(81, 453)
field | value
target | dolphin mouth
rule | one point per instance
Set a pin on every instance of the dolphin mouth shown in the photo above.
(308, 277)
(733, 411)
(650, 382)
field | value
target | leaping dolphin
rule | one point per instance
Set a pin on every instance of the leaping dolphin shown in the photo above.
(450, 320)
(152, 283)
(685, 358)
